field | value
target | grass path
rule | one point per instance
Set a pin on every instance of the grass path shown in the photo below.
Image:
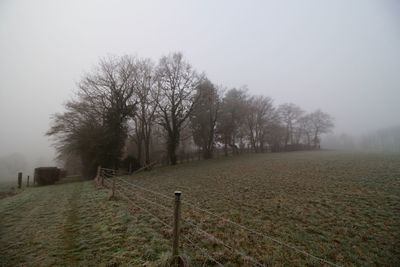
(73, 225)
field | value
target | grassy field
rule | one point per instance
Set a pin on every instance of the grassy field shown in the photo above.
(342, 207)
(73, 224)
(8, 188)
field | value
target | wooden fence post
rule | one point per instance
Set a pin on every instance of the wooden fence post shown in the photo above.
(19, 179)
(177, 217)
(27, 181)
(113, 188)
(99, 176)
(98, 171)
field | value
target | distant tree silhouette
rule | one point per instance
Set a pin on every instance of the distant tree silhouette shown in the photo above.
(94, 123)
(321, 123)
(131, 108)
(290, 114)
(260, 116)
(204, 117)
(231, 122)
(177, 82)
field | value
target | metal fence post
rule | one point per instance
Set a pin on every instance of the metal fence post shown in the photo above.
(27, 181)
(19, 179)
(177, 217)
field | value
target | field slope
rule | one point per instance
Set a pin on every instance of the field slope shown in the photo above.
(73, 225)
(341, 207)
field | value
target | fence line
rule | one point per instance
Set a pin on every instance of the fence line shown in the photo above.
(126, 196)
(194, 207)
(197, 228)
(143, 209)
(219, 241)
(263, 235)
(151, 202)
(204, 251)
(208, 256)
(145, 189)
(107, 175)
(106, 169)
(188, 240)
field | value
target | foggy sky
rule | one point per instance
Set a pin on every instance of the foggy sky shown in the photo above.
(340, 56)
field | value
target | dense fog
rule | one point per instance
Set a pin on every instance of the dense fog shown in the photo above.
(342, 57)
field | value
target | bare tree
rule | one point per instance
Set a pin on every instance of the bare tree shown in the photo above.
(146, 94)
(260, 115)
(204, 117)
(79, 131)
(289, 114)
(171, 101)
(177, 83)
(305, 130)
(232, 118)
(275, 135)
(94, 125)
(321, 123)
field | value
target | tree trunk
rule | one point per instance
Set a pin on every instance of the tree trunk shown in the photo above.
(171, 154)
(207, 153)
(286, 138)
(139, 150)
(147, 152)
(261, 147)
(172, 146)
(147, 148)
(226, 147)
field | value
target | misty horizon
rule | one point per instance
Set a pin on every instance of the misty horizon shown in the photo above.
(199, 133)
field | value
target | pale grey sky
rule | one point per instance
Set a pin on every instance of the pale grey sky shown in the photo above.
(340, 56)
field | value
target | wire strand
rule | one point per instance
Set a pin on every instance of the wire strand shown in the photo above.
(148, 201)
(145, 210)
(219, 241)
(237, 225)
(208, 256)
(145, 189)
(263, 235)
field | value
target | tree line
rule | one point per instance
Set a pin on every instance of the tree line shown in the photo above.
(130, 110)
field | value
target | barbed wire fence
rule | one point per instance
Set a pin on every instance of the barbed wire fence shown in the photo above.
(163, 209)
